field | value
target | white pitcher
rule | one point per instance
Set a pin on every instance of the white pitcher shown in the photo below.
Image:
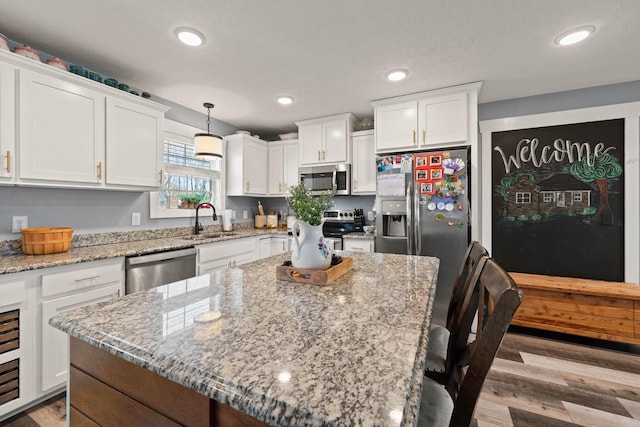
(309, 249)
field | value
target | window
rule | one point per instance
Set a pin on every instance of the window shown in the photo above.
(577, 197)
(547, 197)
(523, 198)
(186, 179)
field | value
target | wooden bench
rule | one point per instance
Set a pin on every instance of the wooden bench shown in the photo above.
(590, 308)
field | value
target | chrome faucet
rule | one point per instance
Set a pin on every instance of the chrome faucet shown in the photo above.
(198, 227)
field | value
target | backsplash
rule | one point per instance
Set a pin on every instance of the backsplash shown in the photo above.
(12, 247)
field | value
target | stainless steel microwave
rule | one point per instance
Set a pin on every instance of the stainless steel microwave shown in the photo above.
(323, 178)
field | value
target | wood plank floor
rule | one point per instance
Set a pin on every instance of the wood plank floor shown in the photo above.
(539, 381)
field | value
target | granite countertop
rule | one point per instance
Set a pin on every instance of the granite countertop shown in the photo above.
(289, 354)
(16, 263)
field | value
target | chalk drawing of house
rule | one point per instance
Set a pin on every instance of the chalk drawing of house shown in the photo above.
(558, 194)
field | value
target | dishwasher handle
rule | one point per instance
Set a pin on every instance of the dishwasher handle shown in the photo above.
(160, 256)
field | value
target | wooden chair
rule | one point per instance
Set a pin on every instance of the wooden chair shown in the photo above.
(437, 347)
(496, 298)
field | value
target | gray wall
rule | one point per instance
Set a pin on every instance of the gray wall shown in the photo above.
(103, 211)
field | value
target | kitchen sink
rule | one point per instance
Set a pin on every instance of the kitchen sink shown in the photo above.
(204, 236)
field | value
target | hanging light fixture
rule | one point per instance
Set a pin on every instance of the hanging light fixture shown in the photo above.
(208, 144)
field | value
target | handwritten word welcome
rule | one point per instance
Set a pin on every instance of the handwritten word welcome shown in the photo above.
(528, 151)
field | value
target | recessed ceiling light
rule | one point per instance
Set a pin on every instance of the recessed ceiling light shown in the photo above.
(285, 100)
(397, 75)
(574, 36)
(189, 36)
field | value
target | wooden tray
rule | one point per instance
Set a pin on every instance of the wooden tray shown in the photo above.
(315, 277)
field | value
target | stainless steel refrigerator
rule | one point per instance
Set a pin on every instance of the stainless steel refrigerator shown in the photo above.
(422, 208)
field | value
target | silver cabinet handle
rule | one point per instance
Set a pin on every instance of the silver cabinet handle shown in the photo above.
(86, 278)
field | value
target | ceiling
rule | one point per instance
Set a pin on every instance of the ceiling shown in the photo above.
(331, 55)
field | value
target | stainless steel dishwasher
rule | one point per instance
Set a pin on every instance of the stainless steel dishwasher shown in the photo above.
(149, 271)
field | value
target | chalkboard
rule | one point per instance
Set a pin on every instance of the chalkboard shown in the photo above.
(558, 200)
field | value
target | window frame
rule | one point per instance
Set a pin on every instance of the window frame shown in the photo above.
(183, 133)
(523, 197)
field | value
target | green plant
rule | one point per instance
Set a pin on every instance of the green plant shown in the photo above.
(306, 207)
(191, 198)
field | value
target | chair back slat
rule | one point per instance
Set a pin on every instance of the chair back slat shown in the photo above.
(475, 251)
(496, 298)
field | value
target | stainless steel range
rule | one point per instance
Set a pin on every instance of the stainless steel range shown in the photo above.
(338, 223)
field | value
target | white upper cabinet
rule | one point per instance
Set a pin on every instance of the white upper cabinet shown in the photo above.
(246, 165)
(290, 167)
(364, 163)
(433, 119)
(276, 168)
(134, 144)
(326, 140)
(283, 167)
(7, 122)
(70, 131)
(61, 130)
(396, 125)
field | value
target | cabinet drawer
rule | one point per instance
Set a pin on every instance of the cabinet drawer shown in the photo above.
(227, 249)
(82, 278)
(357, 245)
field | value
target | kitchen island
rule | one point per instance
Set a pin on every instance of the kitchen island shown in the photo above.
(280, 353)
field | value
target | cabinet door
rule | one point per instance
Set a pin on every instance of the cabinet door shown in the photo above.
(255, 168)
(364, 165)
(279, 245)
(7, 122)
(264, 247)
(290, 167)
(335, 141)
(61, 130)
(310, 143)
(134, 144)
(396, 126)
(443, 120)
(55, 355)
(276, 169)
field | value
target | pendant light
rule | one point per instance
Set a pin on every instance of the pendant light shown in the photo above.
(207, 144)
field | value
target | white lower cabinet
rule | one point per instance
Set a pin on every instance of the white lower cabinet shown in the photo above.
(272, 245)
(17, 357)
(66, 288)
(357, 245)
(220, 255)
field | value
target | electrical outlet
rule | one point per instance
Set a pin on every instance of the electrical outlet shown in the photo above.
(245, 214)
(18, 223)
(233, 215)
(135, 218)
(370, 215)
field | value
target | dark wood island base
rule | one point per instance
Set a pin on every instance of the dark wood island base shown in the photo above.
(107, 390)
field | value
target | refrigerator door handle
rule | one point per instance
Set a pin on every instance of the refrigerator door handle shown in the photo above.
(416, 223)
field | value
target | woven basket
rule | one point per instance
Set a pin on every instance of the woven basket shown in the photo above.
(43, 241)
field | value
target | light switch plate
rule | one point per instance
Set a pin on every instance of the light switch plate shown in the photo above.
(370, 215)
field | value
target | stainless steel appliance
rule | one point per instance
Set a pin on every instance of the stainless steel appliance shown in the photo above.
(148, 271)
(422, 208)
(323, 178)
(338, 223)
